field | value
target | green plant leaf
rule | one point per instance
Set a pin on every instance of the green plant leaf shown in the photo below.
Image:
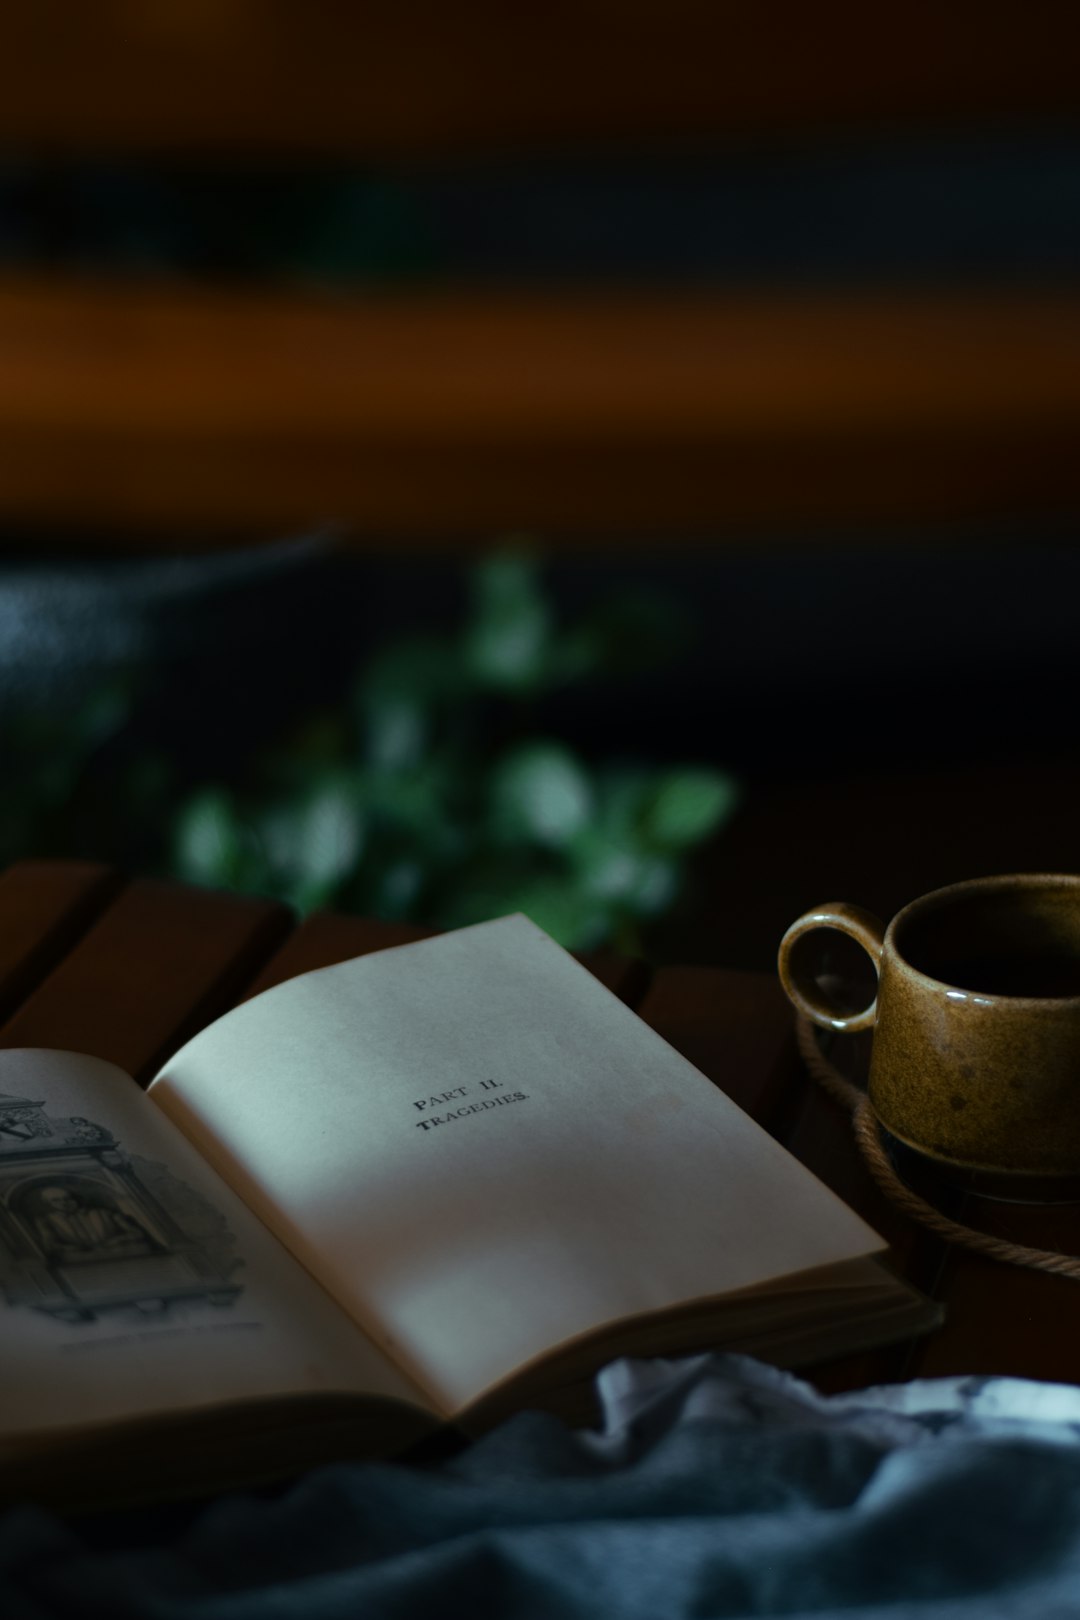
(276, 826)
(623, 875)
(329, 837)
(573, 919)
(507, 641)
(625, 794)
(687, 805)
(606, 867)
(656, 883)
(307, 849)
(208, 840)
(396, 888)
(404, 799)
(401, 696)
(554, 901)
(541, 794)
(398, 732)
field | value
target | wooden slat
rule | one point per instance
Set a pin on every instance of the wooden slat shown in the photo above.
(823, 1141)
(1000, 1318)
(627, 977)
(821, 1138)
(450, 417)
(158, 965)
(407, 77)
(736, 1028)
(44, 907)
(326, 938)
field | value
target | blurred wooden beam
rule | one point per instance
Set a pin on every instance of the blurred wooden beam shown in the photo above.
(451, 417)
(407, 78)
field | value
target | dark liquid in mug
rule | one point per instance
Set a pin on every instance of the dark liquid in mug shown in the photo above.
(1013, 973)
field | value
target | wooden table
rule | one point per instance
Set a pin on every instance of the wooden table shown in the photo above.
(129, 970)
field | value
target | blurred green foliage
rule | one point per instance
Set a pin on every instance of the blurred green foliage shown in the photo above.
(427, 793)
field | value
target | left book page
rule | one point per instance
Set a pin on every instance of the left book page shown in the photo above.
(133, 1282)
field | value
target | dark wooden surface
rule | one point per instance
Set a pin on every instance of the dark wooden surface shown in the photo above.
(128, 970)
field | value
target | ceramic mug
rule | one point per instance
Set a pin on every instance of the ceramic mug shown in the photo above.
(976, 1019)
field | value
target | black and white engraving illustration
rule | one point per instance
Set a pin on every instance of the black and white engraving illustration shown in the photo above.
(86, 1229)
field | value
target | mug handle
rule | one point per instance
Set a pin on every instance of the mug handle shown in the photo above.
(802, 989)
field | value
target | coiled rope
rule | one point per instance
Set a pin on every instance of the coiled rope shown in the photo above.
(868, 1137)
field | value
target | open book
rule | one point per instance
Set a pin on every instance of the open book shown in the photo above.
(418, 1188)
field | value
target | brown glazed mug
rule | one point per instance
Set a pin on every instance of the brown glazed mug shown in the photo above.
(976, 1020)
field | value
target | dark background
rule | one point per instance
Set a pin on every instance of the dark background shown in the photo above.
(899, 697)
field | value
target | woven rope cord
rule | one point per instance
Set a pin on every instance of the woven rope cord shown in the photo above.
(868, 1137)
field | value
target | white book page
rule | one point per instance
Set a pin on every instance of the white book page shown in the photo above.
(132, 1280)
(482, 1153)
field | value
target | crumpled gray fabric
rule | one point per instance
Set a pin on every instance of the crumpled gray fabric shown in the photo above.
(714, 1487)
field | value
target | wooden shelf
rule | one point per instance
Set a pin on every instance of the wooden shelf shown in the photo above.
(454, 416)
(412, 78)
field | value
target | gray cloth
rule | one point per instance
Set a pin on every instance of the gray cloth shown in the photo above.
(714, 1487)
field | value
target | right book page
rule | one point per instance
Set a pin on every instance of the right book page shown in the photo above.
(483, 1154)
